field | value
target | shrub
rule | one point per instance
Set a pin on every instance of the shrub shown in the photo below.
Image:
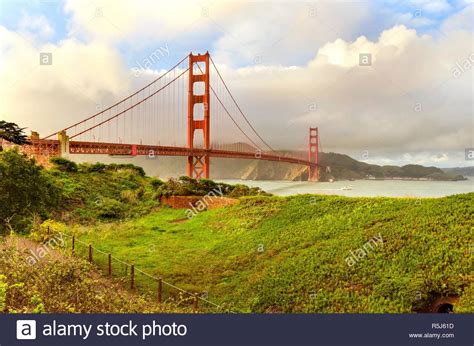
(97, 167)
(25, 190)
(127, 166)
(131, 196)
(3, 292)
(155, 182)
(47, 230)
(185, 186)
(110, 208)
(63, 164)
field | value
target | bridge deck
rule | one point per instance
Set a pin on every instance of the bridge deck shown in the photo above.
(159, 150)
(90, 148)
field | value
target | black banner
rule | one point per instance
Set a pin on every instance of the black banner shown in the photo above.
(236, 329)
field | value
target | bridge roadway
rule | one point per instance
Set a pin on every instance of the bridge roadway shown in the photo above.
(79, 147)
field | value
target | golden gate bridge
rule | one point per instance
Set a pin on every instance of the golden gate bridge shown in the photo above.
(189, 98)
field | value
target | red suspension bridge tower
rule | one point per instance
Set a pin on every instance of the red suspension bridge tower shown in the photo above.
(313, 154)
(198, 165)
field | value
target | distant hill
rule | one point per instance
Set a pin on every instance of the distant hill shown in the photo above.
(466, 171)
(340, 166)
(332, 166)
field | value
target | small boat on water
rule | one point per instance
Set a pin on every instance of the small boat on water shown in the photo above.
(349, 187)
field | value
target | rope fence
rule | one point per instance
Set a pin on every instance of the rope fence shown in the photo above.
(137, 279)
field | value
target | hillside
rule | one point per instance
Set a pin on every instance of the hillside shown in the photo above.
(344, 167)
(303, 253)
(333, 166)
(63, 284)
(465, 171)
(87, 193)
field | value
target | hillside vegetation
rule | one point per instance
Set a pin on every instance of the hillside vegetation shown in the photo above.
(63, 284)
(305, 253)
(273, 254)
(87, 193)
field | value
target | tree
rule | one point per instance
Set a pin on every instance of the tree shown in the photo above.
(12, 133)
(25, 191)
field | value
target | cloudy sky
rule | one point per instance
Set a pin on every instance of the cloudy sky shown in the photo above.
(291, 65)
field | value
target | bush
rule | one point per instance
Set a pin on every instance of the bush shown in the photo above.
(131, 196)
(63, 164)
(110, 208)
(47, 230)
(3, 292)
(25, 190)
(186, 186)
(155, 182)
(126, 166)
(97, 167)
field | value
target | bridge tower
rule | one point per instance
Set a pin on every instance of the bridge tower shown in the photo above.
(198, 164)
(313, 154)
(63, 140)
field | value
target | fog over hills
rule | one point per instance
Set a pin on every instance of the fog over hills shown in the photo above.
(465, 171)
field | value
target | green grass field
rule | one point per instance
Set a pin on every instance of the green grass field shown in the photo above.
(274, 254)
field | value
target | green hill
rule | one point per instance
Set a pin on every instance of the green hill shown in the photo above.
(341, 167)
(304, 253)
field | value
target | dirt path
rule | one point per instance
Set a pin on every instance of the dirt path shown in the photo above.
(41, 252)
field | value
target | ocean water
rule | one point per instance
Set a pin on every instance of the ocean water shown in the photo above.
(366, 188)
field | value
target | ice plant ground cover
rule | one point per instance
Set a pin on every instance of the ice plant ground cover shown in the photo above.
(270, 254)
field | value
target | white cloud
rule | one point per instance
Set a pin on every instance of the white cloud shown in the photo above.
(37, 27)
(279, 33)
(432, 6)
(462, 20)
(412, 19)
(139, 22)
(48, 97)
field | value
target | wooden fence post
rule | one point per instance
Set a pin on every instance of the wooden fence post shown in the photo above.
(73, 243)
(90, 252)
(160, 290)
(196, 302)
(110, 264)
(132, 276)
